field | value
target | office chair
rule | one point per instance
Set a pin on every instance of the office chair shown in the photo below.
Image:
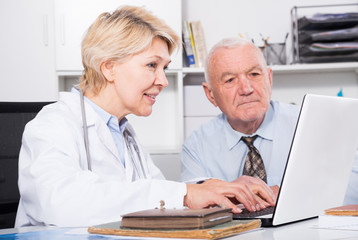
(13, 118)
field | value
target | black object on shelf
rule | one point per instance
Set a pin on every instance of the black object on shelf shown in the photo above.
(325, 37)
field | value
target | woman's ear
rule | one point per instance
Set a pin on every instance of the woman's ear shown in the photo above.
(107, 69)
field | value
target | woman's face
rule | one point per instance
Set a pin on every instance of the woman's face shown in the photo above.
(138, 81)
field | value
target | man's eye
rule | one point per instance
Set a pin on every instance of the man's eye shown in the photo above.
(255, 74)
(230, 83)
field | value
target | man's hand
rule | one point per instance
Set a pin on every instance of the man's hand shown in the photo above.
(216, 192)
(266, 195)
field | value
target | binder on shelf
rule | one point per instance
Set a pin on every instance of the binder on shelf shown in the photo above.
(324, 37)
(347, 34)
(328, 21)
(328, 49)
(187, 42)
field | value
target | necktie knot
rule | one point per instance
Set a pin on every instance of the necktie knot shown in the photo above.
(249, 140)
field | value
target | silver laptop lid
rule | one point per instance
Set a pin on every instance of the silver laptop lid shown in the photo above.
(320, 159)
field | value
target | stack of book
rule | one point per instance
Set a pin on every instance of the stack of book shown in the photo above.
(211, 223)
(194, 43)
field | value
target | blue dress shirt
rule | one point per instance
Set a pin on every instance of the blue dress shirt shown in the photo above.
(215, 149)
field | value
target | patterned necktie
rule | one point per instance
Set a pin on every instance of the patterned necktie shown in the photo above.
(254, 166)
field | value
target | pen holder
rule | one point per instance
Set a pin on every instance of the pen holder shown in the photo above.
(275, 53)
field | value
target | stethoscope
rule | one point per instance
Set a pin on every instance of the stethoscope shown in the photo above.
(130, 142)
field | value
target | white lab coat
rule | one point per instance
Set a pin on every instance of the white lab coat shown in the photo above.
(55, 185)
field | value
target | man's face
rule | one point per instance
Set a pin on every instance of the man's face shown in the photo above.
(240, 85)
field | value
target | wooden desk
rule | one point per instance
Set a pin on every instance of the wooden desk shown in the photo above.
(299, 231)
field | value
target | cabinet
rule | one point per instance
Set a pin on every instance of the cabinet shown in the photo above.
(27, 50)
(72, 18)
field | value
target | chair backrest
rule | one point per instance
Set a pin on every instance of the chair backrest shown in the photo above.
(13, 118)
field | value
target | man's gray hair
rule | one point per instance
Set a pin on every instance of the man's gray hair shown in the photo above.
(224, 43)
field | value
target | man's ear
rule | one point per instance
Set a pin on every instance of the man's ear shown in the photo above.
(209, 93)
(107, 69)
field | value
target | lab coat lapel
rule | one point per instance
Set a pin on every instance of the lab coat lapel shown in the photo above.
(129, 166)
(102, 130)
(106, 138)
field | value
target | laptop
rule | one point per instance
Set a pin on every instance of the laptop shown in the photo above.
(319, 162)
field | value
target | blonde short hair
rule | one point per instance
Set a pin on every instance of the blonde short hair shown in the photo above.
(117, 36)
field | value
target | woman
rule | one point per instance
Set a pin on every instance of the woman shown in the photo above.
(70, 175)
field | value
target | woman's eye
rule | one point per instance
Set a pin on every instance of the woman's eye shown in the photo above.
(152, 65)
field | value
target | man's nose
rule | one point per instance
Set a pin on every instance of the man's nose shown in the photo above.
(245, 86)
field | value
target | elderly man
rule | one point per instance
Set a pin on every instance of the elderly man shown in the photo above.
(251, 139)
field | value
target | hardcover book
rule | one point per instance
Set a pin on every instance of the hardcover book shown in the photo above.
(347, 210)
(219, 231)
(176, 218)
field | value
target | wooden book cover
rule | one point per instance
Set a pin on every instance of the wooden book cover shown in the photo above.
(176, 218)
(219, 231)
(347, 210)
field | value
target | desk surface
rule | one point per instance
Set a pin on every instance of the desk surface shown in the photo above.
(299, 231)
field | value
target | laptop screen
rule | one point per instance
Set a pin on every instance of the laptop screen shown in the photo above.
(320, 159)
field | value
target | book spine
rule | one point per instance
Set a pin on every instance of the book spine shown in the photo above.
(193, 44)
(187, 41)
(199, 42)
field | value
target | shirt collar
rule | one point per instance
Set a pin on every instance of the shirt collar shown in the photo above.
(266, 129)
(110, 120)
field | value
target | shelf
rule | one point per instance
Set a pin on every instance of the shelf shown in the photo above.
(299, 68)
(295, 68)
(69, 73)
(193, 70)
(316, 67)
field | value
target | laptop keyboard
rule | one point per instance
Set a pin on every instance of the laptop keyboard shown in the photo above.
(246, 214)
